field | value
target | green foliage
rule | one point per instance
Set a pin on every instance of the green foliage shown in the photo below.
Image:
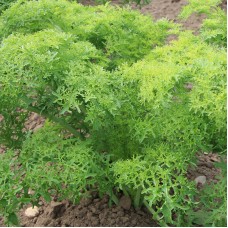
(160, 176)
(12, 126)
(121, 34)
(45, 66)
(214, 27)
(51, 165)
(136, 109)
(4, 4)
(192, 58)
(77, 166)
(157, 107)
(10, 175)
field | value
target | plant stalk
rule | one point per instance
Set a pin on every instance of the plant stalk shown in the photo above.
(114, 198)
(151, 210)
(137, 198)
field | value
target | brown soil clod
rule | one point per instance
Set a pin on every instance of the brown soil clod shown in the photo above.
(56, 209)
(125, 202)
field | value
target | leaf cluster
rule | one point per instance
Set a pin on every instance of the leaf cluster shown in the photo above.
(51, 165)
(160, 183)
(122, 35)
(157, 105)
(4, 4)
(54, 55)
(136, 109)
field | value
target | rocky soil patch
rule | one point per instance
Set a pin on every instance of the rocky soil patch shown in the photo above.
(94, 211)
(205, 171)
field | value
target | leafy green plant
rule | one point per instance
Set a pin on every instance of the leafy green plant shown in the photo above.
(125, 109)
(157, 179)
(79, 168)
(47, 64)
(160, 108)
(173, 114)
(120, 34)
(51, 165)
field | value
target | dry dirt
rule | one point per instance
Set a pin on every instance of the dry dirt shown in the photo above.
(89, 212)
(96, 211)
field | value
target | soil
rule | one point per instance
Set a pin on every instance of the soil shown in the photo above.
(205, 166)
(96, 211)
(89, 212)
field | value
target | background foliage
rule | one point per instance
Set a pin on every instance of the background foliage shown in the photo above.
(4, 4)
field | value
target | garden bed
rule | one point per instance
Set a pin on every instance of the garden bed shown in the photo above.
(97, 211)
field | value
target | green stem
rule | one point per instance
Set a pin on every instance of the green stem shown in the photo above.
(137, 198)
(56, 120)
(151, 210)
(114, 198)
(125, 191)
